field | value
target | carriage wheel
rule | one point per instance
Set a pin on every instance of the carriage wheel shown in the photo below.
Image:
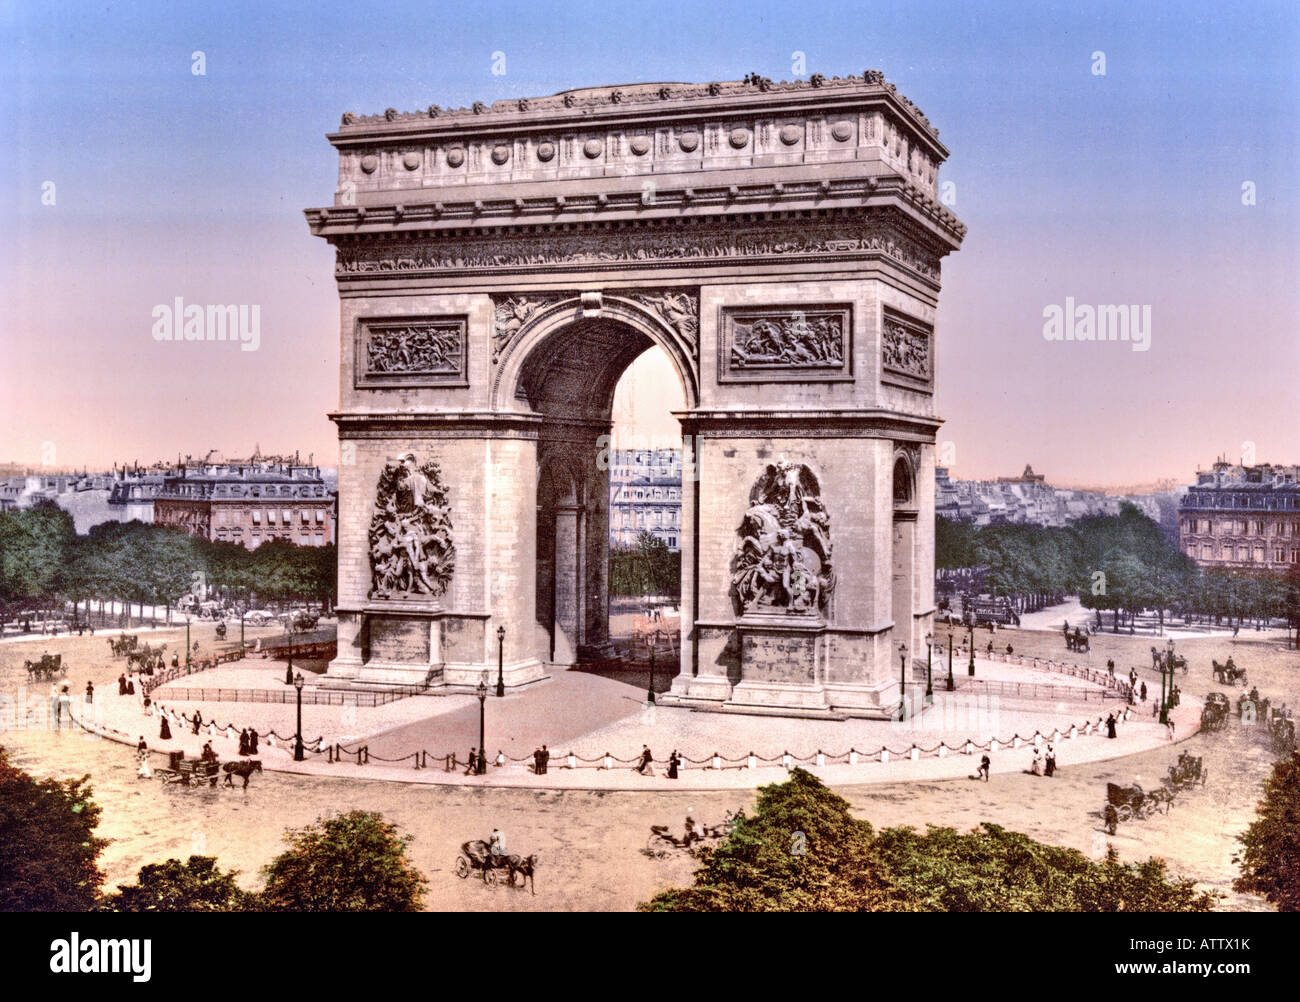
(1125, 812)
(489, 875)
(462, 867)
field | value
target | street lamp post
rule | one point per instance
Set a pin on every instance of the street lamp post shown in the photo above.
(951, 684)
(650, 640)
(501, 658)
(241, 632)
(1167, 688)
(187, 643)
(971, 669)
(297, 739)
(902, 682)
(481, 767)
(288, 672)
(929, 680)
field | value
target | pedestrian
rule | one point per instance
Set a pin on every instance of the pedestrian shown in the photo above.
(1036, 767)
(983, 770)
(500, 759)
(121, 684)
(471, 762)
(142, 759)
(1050, 770)
(1144, 692)
(1110, 666)
(1126, 714)
(673, 762)
(537, 761)
(130, 687)
(1110, 726)
(546, 760)
(176, 660)
(1169, 727)
(198, 719)
(644, 762)
(90, 692)
(243, 741)
(164, 731)
(252, 741)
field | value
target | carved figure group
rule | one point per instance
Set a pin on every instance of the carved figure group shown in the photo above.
(412, 551)
(784, 558)
(794, 340)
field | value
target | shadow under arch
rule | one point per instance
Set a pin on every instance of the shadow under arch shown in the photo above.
(571, 334)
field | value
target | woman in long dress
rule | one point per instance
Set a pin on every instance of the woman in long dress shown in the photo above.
(165, 731)
(1037, 767)
(142, 759)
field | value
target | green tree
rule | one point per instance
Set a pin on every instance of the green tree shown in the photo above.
(197, 885)
(35, 544)
(1270, 860)
(803, 850)
(49, 853)
(354, 862)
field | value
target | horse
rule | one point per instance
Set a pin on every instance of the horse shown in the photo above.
(244, 768)
(526, 867)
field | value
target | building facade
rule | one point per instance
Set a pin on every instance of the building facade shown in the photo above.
(645, 495)
(248, 503)
(1244, 517)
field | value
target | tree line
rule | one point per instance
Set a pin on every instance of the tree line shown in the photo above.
(46, 565)
(1119, 565)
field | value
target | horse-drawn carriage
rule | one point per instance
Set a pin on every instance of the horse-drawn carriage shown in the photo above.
(47, 669)
(1282, 733)
(1187, 771)
(191, 772)
(122, 645)
(1168, 659)
(146, 659)
(1215, 713)
(1077, 640)
(1123, 803)
(477, 856)
(1228, 673)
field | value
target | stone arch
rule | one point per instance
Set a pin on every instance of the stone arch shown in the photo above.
(555, 318)
(904, 481)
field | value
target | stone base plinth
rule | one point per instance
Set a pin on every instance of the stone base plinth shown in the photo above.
(779, 660)
(697, 690)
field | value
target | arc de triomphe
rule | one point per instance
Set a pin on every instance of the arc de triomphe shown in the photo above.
(499, 267)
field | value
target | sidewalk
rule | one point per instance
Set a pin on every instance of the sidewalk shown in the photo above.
(123, 719)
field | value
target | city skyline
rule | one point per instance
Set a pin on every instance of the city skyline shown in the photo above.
(170, 184)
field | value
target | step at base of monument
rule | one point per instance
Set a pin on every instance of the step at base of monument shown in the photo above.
(743, 709)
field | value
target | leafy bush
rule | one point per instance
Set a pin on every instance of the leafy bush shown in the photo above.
(197, 885)
(354, 862)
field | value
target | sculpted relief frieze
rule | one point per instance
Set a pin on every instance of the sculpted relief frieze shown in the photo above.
(906, 346)
(698, 242)
(784, 343)
(411, 352)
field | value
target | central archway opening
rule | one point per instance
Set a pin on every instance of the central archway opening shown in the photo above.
(609, 491)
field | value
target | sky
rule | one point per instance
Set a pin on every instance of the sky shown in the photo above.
(1122, 187)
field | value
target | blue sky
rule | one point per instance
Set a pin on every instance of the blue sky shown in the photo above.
(1123, 188)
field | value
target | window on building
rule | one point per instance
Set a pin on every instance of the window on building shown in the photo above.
(257, 517)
